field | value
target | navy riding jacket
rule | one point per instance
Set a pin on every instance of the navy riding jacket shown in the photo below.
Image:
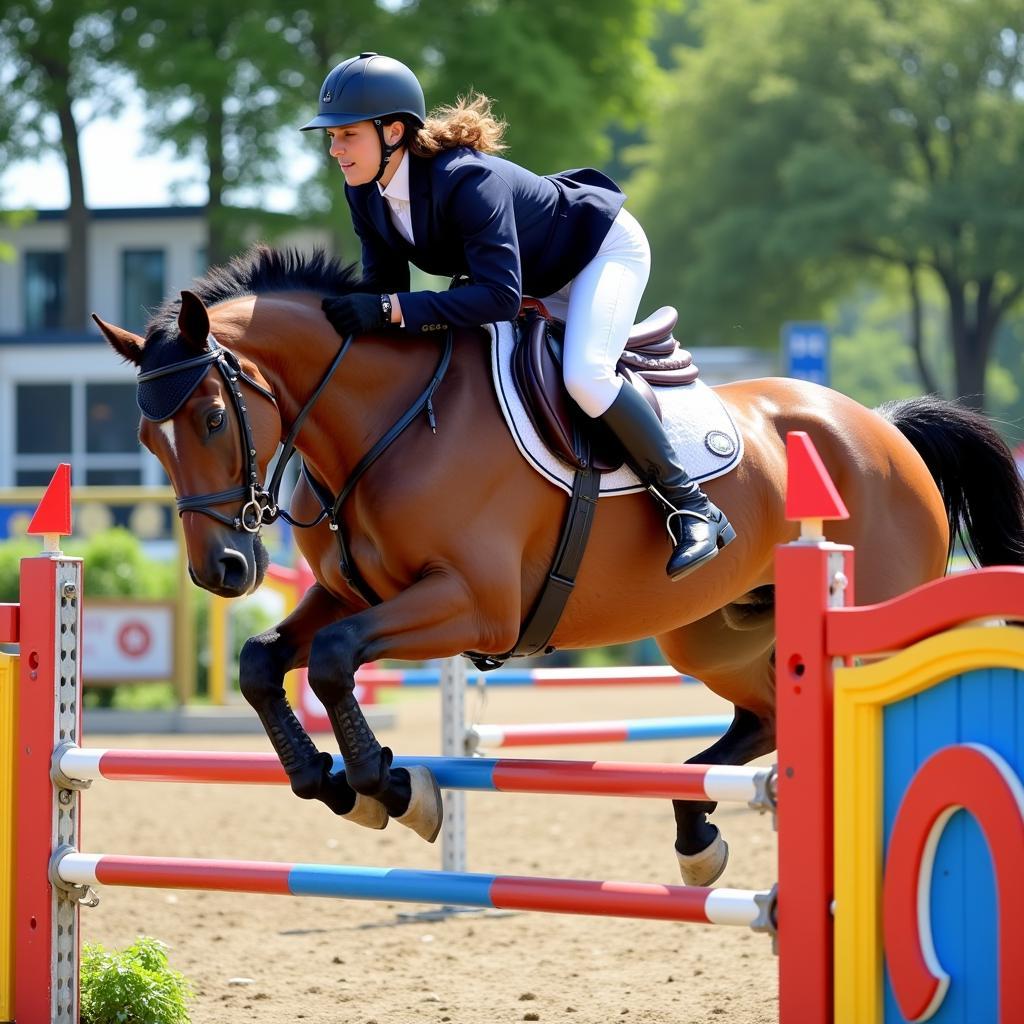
(512, 232)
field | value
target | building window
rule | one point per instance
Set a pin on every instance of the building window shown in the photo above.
(43, 419)
(112, 419)
(45, 277)
(143, 285)
(91, 424)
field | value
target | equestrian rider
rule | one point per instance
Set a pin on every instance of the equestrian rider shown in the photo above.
(430, 192)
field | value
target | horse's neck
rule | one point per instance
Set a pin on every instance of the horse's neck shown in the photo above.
(376, 381)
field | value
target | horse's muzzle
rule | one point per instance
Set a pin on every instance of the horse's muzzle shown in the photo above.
(232, 569)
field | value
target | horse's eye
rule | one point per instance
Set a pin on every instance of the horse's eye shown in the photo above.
(215, 421)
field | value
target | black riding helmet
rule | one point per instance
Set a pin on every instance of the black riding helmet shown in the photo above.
(370, 87)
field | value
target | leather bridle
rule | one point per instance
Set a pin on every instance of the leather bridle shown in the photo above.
(258, 502)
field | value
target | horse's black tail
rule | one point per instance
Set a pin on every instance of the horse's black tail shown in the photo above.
(975, 473)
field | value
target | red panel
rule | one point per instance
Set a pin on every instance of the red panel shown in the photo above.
(191, 766)
(528, 736)
(810, 492)
(54, 512)
(186, 873)
(965, 777)
(601, 778)
(805, 745)
(609, 899)
(10, 624)
(926, 610)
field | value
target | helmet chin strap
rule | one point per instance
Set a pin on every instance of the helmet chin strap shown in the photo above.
(386, 149)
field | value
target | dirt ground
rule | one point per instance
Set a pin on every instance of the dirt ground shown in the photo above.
(257, 958)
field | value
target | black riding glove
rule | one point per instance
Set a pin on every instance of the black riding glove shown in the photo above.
(353, 314)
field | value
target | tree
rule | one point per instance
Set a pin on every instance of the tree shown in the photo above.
(53, 60)
(558, 89)
(806, 143)
(221, 80)
(559, 76)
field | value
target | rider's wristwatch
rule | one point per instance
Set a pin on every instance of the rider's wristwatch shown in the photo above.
(385, 308)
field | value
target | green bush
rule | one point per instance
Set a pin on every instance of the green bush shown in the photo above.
(11, 554)
(134, 986)
(117, 566)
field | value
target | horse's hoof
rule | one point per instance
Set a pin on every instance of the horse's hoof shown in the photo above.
(367, 812)
(425, 812)
(707, 866)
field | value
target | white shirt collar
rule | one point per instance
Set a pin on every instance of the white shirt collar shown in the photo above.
(398, 187)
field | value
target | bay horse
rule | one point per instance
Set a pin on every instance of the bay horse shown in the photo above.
(454, 532)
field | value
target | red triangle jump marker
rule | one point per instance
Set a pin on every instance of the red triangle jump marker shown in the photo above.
(52, 518)
(810, 492)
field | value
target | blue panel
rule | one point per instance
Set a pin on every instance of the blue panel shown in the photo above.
(982, 706)
(1007, 721)
(677, 728)
(359, 883)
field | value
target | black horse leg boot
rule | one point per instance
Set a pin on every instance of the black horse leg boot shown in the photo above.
(698, 529)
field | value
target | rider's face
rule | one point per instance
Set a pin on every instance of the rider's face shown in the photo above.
(356, 148)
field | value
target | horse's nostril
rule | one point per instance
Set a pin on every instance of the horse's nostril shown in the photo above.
(234, 571)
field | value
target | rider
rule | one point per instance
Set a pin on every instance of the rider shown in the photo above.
(429, 191)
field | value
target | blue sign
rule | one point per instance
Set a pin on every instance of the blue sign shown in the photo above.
(805, 351)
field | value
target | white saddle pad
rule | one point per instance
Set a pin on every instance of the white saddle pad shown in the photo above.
(696, 420)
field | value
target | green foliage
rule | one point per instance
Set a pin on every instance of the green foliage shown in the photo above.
(11, 554)
(117, 566)
(807, 144)
(134, 986)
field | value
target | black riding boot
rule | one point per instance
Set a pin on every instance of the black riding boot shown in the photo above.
(698, 529)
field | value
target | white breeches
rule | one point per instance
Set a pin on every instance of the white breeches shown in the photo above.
(599, 308)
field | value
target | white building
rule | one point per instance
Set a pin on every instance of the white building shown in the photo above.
(67, 397)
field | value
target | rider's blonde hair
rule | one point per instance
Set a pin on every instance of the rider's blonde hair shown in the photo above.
(468, 122)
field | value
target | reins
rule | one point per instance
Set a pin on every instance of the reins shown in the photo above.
(260, 505)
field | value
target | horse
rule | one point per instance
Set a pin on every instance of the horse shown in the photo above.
(449, 533)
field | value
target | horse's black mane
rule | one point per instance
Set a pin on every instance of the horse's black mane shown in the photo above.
(257, 271)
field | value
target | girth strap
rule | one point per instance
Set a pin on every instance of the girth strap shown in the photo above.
(542, 621)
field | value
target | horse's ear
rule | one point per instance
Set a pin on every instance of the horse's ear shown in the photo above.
(193, 320)
(121, 341)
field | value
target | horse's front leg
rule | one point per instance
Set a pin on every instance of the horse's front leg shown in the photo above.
(434, 618)
(264, 661)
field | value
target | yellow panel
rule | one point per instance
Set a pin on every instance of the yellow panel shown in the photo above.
(861, 695)
(218, 671)
(8, 715)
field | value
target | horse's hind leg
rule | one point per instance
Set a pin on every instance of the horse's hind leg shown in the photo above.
(700, 848)
(434, 618)
(738, 664)
(264, 661)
